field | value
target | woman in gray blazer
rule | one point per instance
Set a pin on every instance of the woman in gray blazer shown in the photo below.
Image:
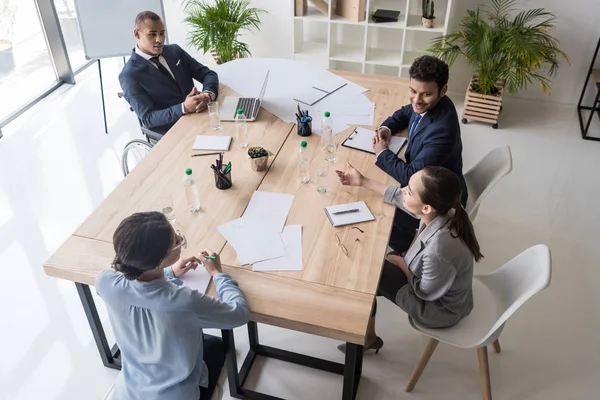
(432, 282)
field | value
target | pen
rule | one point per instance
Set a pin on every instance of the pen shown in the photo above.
(346, 211)
(227, 168)
(210, 258)
(205, 154)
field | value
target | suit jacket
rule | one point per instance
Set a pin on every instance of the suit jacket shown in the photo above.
(435, 142)
(439, 292)
(156, 98)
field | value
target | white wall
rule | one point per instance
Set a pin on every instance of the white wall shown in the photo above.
(578, 30)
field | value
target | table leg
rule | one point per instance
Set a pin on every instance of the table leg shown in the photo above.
(111, 358)
(352, 370)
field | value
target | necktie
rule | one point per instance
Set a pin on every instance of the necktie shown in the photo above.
(414, 126)
(161, 68)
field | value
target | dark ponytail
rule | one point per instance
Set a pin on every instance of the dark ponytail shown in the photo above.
(442, 191)
(141, 241)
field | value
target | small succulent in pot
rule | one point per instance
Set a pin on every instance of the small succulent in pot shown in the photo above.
(257, 152)
(259, 158)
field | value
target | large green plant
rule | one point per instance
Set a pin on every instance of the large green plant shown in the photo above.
(512, 52)
(216, 26)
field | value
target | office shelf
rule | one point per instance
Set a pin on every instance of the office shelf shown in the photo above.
(388, 48)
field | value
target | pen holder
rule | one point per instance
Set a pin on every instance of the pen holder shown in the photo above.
(304, 126)
(223, 181)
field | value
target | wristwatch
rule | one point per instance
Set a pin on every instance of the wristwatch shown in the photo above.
(211, 94)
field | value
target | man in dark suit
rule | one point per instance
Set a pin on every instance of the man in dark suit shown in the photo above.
(157, 81)
(433, 137)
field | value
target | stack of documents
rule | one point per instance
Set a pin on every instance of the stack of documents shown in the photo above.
(260, 236)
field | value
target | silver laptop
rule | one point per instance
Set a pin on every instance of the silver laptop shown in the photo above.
(250, 105)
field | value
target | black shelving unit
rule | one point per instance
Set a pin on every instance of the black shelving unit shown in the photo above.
(594, 74)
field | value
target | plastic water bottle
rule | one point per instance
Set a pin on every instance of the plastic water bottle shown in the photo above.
(240, 128)
(191, 191)
(327, 137)
(303, 164)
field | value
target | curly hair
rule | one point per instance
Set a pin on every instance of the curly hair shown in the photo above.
(430, 69)
(141, 241)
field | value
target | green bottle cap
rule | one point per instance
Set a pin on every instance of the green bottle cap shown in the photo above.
(188, 171)
(327, 114)
(240, 111)
(303, 144)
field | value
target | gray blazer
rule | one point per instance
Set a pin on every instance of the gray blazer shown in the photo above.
(439, 290)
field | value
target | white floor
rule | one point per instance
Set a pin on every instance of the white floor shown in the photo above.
(57, 165)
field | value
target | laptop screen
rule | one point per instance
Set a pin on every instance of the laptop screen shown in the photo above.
(264, 87)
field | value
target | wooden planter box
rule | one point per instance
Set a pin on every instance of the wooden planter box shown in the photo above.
(482, 108)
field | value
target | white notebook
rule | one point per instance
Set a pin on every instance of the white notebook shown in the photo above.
(350, 213)
(212, 142)
(362, 139)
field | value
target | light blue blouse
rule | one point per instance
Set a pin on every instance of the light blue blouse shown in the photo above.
(158, 327)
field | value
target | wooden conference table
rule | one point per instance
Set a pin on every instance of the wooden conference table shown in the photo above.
(331, 297)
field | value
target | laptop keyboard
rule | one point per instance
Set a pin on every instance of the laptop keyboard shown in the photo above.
(248, 105)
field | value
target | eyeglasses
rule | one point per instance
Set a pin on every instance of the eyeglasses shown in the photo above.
(181, 242)
(342, 245)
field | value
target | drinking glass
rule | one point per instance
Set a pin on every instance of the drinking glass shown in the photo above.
(322, 176)
(213, 115)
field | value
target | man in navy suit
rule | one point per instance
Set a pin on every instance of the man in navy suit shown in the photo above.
(433, 137)
(157, 81)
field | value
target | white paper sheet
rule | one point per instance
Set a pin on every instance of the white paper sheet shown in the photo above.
(308, 96)
(281, 88)
(212, 142)
(271, 209)
(292, 239)
(252, 240)
(363, 214)
(362, 139)
(197, 279)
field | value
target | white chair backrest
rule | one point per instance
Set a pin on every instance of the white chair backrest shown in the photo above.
(484, 175)
(518, 280)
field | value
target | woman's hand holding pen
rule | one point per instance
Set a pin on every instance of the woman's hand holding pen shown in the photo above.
(211, 262)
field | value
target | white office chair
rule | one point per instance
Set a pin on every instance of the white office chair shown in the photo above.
(482, 177)
(496, 297)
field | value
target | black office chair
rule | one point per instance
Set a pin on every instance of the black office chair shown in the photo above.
(137, 149)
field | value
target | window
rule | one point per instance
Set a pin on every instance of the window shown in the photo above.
(26, 69)
(69, 25)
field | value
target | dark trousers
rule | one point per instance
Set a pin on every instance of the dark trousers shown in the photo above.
(403, 231)
(392, 279)
(214, 358)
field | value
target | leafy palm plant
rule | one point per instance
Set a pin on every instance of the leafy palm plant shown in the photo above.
(504, 51)
(216, 26)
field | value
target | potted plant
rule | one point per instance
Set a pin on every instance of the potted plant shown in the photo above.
(427, 15)
(7, 21)
(259, 158)
(506, 54)
(217, 25)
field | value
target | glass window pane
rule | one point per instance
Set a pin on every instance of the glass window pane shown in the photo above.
(70, 29)
(25, 66)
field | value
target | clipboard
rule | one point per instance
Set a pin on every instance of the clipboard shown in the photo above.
(362, 139)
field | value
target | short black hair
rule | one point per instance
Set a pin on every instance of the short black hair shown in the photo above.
(430, 69)
(143, 16)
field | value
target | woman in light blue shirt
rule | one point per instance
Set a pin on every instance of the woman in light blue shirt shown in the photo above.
(158, 323)
(432, 282)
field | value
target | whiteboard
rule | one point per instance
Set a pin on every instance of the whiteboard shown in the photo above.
(106, 26)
